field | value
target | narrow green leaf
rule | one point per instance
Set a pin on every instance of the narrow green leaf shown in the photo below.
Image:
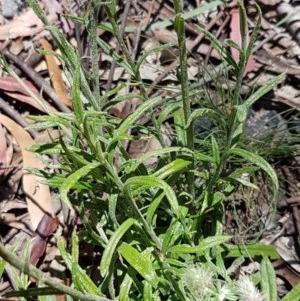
(141, 262)
(63, 253)
(232, 44)
(91, 27)
(112, 206)
(255, 33)
(165, 23)
(37, 274)
(112, 244)
(179, 24)
(38, 11)
(293, 295)
(242, 170)
(242, 109)
(74, 260)
(198, 113)
(132, 164)
(260, 162)
(22, 281)
(132, 118)
(2, 266)
(125, 288)
(111, 92)
(29, 293)
(242, 182)
(224, 53)
(73, 179)
(81, 276)
(174, 231)
(153, 206)
(154, 51)
(235, 251)
(218, 197)
(55, 119)
(52, 148)
(68, 51)
(179, 122)
(147, 293)
(76, 100)
(70, 58)
(203, 158)
(215, 150)
(206, 244)
(268, 280)
(243, 24)
(118, 59)
(171, 168)
(136, 185)
(169, 109)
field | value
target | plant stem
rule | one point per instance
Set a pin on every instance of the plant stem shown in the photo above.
(184, 82)
(110, 9)
(94, 51)
(55, 283)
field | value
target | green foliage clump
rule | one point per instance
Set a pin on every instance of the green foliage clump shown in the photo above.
(157, 228)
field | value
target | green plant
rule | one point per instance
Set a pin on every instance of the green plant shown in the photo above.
(154, 225)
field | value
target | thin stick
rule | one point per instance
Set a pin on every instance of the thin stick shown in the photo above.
(55, 283)
(15, 115)
(38, 80)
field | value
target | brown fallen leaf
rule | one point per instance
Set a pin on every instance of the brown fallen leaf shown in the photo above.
(38, 196)
(46, 227)
(283, 270)
(55, 75)
(11, 87)
(27, 24)
(9, 84)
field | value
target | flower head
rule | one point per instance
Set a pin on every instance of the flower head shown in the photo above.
(198, 279)
(247, 290)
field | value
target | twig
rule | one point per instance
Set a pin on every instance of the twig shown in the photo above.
(217, 34)
(15, 115)
(38, 80)
(55, 283)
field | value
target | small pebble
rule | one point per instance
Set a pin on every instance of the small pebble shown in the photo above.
(9, 8)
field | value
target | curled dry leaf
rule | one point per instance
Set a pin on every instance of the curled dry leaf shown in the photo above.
(55, 75)
(37, 195)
